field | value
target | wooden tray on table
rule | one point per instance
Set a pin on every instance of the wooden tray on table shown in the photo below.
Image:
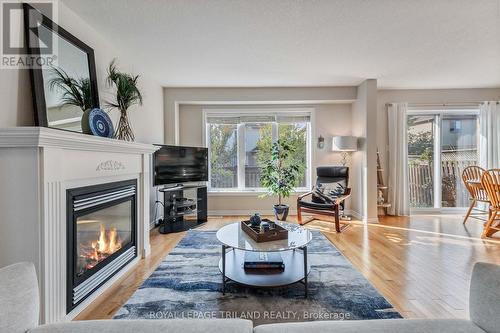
(273, 234)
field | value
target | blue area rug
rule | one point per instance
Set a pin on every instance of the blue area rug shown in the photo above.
(187, 284)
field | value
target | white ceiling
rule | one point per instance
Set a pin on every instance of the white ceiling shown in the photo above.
(402, 43)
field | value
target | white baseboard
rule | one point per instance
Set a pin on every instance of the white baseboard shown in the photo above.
(354, 214)
(154, 223)
(245, 212)
(371, 220)
(360, 217)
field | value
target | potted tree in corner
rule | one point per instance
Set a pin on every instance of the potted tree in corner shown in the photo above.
(280, 175)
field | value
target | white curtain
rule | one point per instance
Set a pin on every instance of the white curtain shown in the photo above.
(398, 166)
(489, 134)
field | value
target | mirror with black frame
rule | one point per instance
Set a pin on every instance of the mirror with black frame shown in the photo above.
(64, 89)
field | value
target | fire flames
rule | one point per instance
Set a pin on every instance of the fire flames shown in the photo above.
(107, 243)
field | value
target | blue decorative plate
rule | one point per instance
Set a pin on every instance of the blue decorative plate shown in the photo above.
(100, 124)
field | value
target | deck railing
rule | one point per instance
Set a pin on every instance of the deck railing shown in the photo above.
(421, 188)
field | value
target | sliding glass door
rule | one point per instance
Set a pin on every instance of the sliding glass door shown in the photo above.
(421, 138)
(441, 143)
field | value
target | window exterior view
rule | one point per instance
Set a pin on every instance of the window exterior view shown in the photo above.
(440, 146)
(239, 145)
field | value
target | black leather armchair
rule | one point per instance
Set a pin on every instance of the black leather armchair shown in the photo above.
(327, 196)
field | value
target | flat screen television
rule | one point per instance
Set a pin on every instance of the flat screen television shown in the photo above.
(179, 164)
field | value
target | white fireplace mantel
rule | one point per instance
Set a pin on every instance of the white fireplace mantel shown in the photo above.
(37, 166)
(48, 137)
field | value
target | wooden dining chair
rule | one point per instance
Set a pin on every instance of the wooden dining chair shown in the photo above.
(471, 177)
(491, 184)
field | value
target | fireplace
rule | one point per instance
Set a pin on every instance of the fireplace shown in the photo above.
(101, 236)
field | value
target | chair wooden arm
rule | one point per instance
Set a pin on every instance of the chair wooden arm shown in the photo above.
(336, 201)
(343, 197)
(300, 197)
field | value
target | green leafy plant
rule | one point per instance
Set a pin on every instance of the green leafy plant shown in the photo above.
(223, 150)
(295, 135)
(281, 172)
(127, 94)
(75, 92)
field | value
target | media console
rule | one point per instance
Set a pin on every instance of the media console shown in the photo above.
(177, 206)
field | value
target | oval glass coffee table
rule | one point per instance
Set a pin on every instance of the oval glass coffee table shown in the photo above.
(235, 242)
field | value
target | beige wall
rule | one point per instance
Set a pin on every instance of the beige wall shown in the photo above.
(328, 120)
(191, 125)
(146, 120)
(173, 97)
(432, 96)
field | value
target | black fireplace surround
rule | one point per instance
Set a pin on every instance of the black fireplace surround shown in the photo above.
(101, 236)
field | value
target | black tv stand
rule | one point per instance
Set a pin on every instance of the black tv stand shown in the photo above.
(171, 187)
(177, 206)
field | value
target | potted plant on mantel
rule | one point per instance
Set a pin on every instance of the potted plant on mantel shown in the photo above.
(127, 94)
(280, 175)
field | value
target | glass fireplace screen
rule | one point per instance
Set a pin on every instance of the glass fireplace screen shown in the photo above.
(101, 233)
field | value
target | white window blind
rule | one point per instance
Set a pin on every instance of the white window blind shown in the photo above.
(240, 119)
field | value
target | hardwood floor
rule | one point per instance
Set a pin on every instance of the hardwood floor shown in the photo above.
(421, 264)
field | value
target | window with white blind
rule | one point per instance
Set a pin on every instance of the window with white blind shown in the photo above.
(239, 143)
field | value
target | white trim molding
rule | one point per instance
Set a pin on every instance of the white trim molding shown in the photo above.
(48, 137)
(360, 217)
(293, 211)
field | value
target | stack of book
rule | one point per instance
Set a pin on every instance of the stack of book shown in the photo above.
(263, 262)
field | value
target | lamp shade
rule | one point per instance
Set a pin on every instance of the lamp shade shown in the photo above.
(344, 143)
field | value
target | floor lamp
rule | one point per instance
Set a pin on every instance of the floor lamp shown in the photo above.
(345, 145)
